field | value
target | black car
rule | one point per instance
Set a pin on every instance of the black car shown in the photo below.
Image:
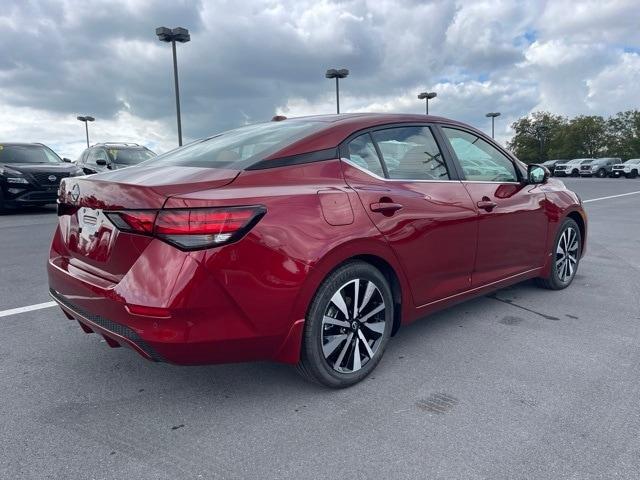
(30, 174)
(551, 164)
(112, 156)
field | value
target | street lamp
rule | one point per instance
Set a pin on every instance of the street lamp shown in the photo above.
(493, 116)
(426, 96)
(172, 36)
(337, 74)
(86, 119)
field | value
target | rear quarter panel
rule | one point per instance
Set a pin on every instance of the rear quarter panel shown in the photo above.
(273, 273)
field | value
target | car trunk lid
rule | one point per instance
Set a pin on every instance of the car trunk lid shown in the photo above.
(93, 243)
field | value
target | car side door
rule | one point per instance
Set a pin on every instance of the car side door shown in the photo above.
(410, 191)
(513, 221)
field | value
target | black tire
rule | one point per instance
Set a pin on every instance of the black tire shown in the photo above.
(3, 208)
(601, 173)
(575, 173)
(555, 281)
(633, 174)
(314, 363)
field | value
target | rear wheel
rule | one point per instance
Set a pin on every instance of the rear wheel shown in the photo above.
(347, 327)
(575, 173)
(565, 257)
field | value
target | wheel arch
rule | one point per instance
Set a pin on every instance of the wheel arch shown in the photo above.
(577, 217)
(374, 251)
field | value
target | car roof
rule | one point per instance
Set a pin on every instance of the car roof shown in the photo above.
(340, 126)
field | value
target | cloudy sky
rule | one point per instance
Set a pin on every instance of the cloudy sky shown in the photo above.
(248, 60)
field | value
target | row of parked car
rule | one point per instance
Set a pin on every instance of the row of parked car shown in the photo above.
(594, 167)
(30, 173)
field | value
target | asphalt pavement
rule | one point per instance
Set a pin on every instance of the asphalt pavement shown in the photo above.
(523, 384)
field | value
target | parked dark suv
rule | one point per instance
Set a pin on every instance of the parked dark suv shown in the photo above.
(30, 174)
(102, 157)
(600, 167)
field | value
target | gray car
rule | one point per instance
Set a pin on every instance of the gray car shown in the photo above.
(102, 157)
(599, 167)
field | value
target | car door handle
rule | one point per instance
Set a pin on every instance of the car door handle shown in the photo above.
(487, 204)
(385, 207)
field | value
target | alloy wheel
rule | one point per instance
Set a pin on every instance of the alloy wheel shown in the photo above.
(353, 325)
(567, 254)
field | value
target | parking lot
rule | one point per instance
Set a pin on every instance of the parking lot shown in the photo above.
(525, 383)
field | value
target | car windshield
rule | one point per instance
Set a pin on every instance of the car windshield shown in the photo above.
(129, 156)
(27, 154)
(240, 147)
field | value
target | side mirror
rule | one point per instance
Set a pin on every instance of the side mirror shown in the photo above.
(68, 160)
(101, 161)
(537, 174)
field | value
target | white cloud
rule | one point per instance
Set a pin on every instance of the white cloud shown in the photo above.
(248, 60)
(66, 135)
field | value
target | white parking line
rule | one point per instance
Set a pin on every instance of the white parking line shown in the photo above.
(28, 308)
(610, 196)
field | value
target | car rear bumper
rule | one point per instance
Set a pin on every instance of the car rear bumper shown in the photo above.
(115, 334)
(204, 319)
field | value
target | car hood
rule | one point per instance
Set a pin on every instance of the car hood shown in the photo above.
(41, 167)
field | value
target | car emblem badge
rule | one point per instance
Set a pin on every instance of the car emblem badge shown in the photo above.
(52, 178)
(75, 192)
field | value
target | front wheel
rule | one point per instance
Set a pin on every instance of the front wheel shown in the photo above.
(347, 327)
(633, 174)
(601, 173)
(565, 257)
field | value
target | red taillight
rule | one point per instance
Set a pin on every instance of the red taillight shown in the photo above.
(191, 229)
(138, 221)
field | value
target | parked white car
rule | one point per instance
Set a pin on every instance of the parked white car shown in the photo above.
(571, 168)
(631, 168)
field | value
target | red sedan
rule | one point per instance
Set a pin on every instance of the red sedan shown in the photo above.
(309, 241)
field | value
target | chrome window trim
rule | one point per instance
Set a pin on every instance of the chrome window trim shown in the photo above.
(377, 177)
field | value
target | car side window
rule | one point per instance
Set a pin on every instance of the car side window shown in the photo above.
(363, 153)
(90, 158)
(101, 155)
(411, 153)
(480, 161)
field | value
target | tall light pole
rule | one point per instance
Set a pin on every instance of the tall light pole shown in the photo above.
(86, 119)
(493, 116)
(337, 74)
(427, 96)
(173, 35)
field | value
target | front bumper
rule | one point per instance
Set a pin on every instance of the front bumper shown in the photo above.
(28, 195)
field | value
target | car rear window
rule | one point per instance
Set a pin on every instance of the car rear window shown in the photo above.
(238, 148)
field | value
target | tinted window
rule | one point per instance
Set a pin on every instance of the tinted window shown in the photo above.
(479, 160)
(241, 147)
(363, 153)
(94, 154)
(129, 156)
(411, 153)
(27, 154)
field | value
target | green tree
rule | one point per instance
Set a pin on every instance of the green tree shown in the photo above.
(585, 136)
(538, 137)
(623, 134)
